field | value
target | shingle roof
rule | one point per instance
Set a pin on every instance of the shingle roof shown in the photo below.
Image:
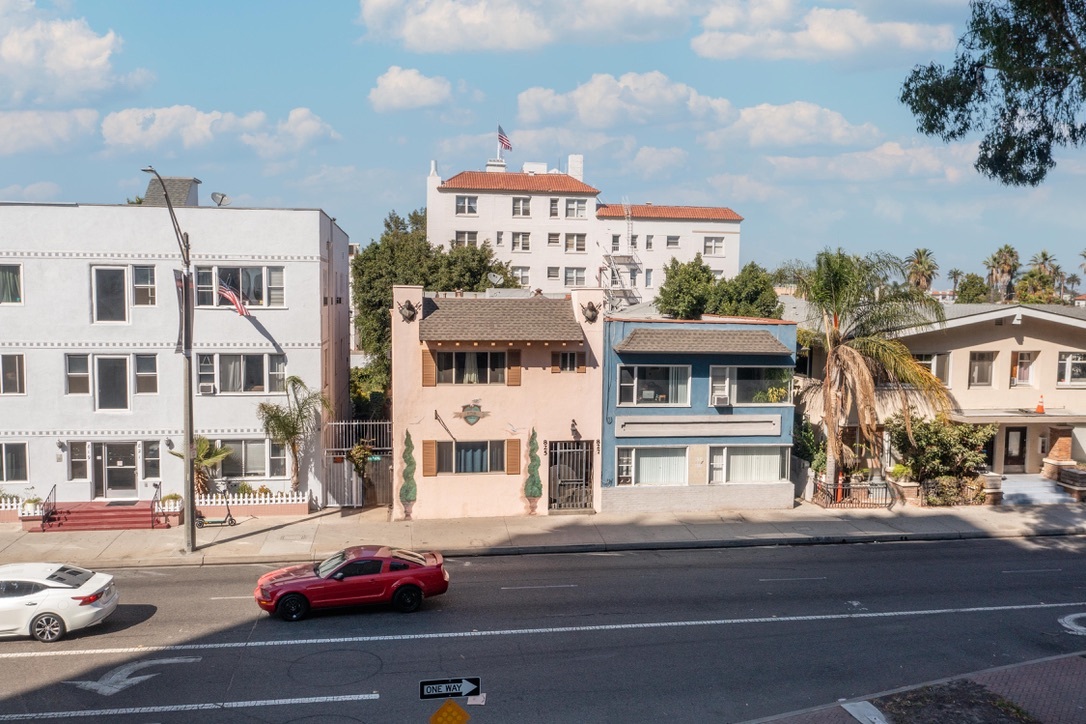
(702, 341)
(179, 189)
(652, 211)
(551, 183)
(499, 320)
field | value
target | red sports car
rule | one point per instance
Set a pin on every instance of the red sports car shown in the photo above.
(358, 575)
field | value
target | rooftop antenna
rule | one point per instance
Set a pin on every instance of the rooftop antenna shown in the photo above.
(220, 199)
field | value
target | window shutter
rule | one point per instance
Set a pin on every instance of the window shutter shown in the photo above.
(512, 377)
(429, 368)
(429, 458)
(556, 362)
(512, 456)
(580, 363)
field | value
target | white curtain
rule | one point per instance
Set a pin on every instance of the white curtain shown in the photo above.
(471, 369)
(677, 385)
(754, 464)
(660, 466)
(230, 372)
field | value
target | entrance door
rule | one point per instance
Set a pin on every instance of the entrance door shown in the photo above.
(1014, 451)
(570, 467)
(115, 470)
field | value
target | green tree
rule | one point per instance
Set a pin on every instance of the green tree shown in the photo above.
(922, 268)
(972, 290)
(1006, 269)
(1073, 281)
(466, 267)
(686, 288)
(1019, 77)
(533, 486)
(1036, 287)
(749, 294)
(933, 448)
(206, 455)
(293, 423)
(1043, 261)
(955, 276)
(409, 490)
(856, 313)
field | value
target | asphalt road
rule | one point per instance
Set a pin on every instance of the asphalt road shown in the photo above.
(706, 635)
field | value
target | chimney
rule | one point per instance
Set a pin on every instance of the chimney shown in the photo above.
(495, 165)
(433, 168)
(576, 166)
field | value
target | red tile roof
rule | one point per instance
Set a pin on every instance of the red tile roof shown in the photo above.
(652, 211)
(551, 183)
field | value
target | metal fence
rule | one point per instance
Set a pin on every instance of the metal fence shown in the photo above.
(346, 434)
(847, 494)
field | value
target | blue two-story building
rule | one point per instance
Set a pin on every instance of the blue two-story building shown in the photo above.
(697, 413)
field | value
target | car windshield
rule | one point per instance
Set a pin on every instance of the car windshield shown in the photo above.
(70, 576)
(409, 556)
(325, 567)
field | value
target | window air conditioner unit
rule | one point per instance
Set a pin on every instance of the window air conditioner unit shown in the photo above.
(1014, 382)
(721, 401)
(207, 388)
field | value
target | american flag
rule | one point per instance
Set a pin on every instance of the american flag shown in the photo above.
(229, 294)
(503, 140)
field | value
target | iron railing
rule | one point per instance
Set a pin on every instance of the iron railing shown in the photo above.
(346, 434)
(49, 508)
(848, 494)
(156, 508)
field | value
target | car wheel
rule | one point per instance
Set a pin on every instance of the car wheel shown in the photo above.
(292, 607)
(47, 628)
(407, 599)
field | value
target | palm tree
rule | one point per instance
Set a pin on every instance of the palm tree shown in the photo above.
(992, 264)
(1058, 278)
(955, 275)
(1072, 284)
(292, 423)
(922, 268)
(1082, 266)
(1007, 265)
(856, 315)
(1043, 261)
(206, 455)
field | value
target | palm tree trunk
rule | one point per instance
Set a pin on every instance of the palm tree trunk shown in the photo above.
(295, 478)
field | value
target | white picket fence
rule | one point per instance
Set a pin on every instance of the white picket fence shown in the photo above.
(175, 505)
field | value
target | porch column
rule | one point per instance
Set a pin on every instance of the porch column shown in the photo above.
(1059, 452)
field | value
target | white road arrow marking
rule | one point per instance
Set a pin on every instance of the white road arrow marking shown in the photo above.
(118, 679)
(1069, 623)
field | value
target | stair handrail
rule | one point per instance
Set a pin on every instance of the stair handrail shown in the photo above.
(156, 505)
(49, 508)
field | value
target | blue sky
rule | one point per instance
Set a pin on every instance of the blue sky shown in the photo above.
(784, 110)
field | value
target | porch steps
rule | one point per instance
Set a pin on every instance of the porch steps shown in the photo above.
(102, 516)
(1033, 492)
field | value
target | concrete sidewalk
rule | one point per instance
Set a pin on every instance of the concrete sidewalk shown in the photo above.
(315, 536)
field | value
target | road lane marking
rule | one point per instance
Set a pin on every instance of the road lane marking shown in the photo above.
(541, 630)
(525, 588)
(230, 598)
(1036, 570)
(816, 578)
(167, 709)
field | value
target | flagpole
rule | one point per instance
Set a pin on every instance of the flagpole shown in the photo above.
(497, 135)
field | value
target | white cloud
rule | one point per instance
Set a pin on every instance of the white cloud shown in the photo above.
(27, 131)
(792, 124)
(41, 191)
(738, 188)
(401, 89)
(649, 161)
(604, 101)
(886, 161)
(143, 128)
(48, 61)
(302, 129)
(775, 29)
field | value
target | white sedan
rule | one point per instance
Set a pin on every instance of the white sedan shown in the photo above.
(46, 600)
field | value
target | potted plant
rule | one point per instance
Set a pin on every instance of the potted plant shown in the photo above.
(533, 486)
(408, 490)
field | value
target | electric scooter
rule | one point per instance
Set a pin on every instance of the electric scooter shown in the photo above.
(229, 519)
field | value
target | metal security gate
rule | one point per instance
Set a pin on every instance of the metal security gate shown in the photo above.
(570, 465)
(340, 482)
(378, 485)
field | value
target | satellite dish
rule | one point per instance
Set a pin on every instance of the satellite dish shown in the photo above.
(220, 199)
(493, 277)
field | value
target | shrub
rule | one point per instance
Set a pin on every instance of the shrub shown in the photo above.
(245, 489)
(950, 490)
(940, 447)
(263, 490)
(171, 497)
(900, 472)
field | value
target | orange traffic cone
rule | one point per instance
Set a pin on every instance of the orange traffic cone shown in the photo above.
(1040, 406)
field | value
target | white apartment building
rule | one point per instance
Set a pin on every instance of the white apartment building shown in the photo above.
(556, 235)
(92, 392)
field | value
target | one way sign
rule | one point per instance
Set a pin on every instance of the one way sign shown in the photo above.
(449, 688)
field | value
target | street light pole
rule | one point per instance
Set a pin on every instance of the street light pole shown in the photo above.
(186, 312)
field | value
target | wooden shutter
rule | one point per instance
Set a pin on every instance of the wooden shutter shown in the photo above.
(556, 362)
(429, 368)
(512, 456)
(429, 458)
(512, 373)
(581, 363)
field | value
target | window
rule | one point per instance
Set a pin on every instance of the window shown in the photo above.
(574, 276)
(112, 378)
(12, 375)
(143, 286)
(651, 466)
(78, 461)
(648, 277)
(1072, 370)
(616, 278)
(521, 273)
(110, 304)
(78, 374)
(12, 461)
(521, 241)
(467, 205)
(567, 362)
(936, 363)
(259, 286)
(245, 372)
(1022, 368)
(554, 239)
(654, 385)
(575, 242)
(747, 464)
(633, 277)
(277, 373)
(980, 368)
(361, 568)
(246, 458)
(497, 238)
(672, 242)
(575, 209)
(471, 368)
(648, 242)
(277, 453)
(713, 245)
(466, 238)
(552, 272)
(146, 374)
(616, 240)
(152, 457)
(554, 209)
(633, 241)
(751, 385)
(11, 287)
(485, 456)
(521, 206)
